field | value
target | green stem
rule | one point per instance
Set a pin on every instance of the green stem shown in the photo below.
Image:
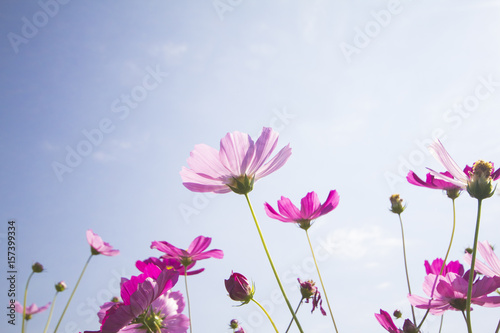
(444, 263)
(498, 327)
(267, 314)
(272, 265)
(72, 293)
(441, 324)
(187, 297)
(472, 265)
(406, 266)
(296, 310)
(24, 303)
(321, 280)
(50, 313)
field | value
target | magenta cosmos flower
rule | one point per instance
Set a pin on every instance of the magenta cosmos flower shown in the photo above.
(491, 267)
(450, 293)
(435, 183)
(437, 264)
(196, 251)
(97, 246)
(310, 209)
(236, 166)
(386, 321)
(141, 294)
(163, 263)
(30, 310)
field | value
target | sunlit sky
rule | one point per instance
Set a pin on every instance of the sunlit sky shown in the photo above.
(102, 102)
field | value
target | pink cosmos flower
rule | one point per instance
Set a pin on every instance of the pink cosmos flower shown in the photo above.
(97, 246)
(437, 264)
(491, 267)
(450, 293)
(432, 182)
(386, 321)
(140, 294)
(237, 164)
(239, 288)
(163, 263)
(310, 209)
(196, 251)
(30, 310)
(458, 177)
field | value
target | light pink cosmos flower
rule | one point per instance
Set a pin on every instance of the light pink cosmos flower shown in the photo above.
(239, 156)
(450, 293)
(196, 251)
(491, 267)
(435, 183)
(97, 246)
(310, 209)
(30, 310)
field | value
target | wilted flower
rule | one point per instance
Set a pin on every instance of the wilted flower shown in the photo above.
(239, 288)
(308, 290)
(452, 190)
(236, 166)
(310, 209)
(196, 251)
(397, 206)
(97, 246)
(30, 310)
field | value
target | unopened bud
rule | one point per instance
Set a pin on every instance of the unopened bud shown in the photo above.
(37, 267)
(61, 286)
(397, 314)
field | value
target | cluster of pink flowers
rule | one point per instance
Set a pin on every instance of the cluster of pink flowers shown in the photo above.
(149, 303)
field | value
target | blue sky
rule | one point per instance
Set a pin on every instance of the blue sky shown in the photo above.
(103, 101)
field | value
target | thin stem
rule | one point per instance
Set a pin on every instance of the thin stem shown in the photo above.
(441, 324)
(406, 266)
(443, 266)
(187, 297)
(472, 265)
(321, 280)
(267, 314)
(272, 265)
(498, 327)
(50, 313)
(72, 293)
(423, 319)
(24, 303)
(296, 310)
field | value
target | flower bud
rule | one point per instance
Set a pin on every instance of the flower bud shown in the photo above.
(396, 204)
(61, 286)
(397, 314)
(234, 324)
(115, 300)
(37, 267)
(480, 185)
(239, 288)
